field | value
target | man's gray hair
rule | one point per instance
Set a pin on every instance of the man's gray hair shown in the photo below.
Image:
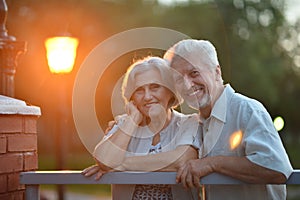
(196, 52)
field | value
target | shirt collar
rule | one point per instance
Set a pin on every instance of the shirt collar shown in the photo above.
(220, 108)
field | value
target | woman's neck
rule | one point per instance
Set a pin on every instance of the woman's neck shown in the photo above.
(158, 123)
(156, 137)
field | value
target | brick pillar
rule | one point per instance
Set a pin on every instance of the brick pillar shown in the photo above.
(18, 145)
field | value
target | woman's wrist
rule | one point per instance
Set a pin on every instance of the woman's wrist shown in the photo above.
(127, 125)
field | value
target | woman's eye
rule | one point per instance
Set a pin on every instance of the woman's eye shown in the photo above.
(139, 90)
(154, 86)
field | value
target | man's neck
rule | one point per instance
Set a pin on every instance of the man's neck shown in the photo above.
(206, 111)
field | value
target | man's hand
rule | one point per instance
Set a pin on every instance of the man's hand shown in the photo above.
(236, 167)
(110, 125)
(190, 173)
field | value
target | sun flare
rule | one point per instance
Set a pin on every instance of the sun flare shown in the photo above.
(235, 139)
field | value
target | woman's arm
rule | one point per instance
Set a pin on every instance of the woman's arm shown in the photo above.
(111, 150)
(165, 161)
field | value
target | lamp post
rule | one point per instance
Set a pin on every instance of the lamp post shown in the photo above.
(9, 51)
(61, 54)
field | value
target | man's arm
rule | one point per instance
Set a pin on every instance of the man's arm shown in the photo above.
(243, 169)
(237, 167)
(165, 161)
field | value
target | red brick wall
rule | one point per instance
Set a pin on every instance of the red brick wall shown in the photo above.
(18, 152)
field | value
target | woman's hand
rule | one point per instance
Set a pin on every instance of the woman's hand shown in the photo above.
(98, 169)
(91, 170)
(130, 121)
(134, 113)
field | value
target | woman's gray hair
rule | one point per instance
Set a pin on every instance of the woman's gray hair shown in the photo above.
(196, 52)
(149, 63)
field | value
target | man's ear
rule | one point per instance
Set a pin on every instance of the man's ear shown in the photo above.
(218, 72)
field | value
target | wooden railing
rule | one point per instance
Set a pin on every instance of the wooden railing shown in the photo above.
(33, 179)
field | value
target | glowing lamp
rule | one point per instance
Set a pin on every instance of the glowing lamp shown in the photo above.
(61, 53)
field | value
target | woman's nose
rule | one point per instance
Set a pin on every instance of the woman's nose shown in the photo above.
(148, 95)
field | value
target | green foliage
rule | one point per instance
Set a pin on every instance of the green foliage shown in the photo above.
(250, 37)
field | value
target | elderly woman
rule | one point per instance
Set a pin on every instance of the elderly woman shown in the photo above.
(151, 136)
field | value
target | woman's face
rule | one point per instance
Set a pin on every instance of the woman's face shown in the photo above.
(150, 93)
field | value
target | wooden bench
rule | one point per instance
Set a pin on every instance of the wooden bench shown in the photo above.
(33, 179)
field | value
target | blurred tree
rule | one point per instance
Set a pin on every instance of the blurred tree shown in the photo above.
(258, 50)
(256, 61)
(261, 67)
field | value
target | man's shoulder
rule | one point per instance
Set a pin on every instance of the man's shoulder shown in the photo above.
(235, 98)
(185, 116)
(246, 103)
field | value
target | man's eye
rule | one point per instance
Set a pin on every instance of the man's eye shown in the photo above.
(194, 73)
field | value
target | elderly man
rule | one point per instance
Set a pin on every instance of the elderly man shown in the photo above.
(237, 137)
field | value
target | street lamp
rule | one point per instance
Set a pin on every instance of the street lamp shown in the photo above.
(61, 54)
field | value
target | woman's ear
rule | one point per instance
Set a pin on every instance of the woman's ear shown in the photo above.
(172, 102)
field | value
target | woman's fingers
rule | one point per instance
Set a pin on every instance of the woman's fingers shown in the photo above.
(99, 175)
(87, 169)
(134, 113)
(90, 170)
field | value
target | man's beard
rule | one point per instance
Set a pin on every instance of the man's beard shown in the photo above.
(198, 104)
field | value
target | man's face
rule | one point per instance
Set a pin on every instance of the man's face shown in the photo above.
(195, 84)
